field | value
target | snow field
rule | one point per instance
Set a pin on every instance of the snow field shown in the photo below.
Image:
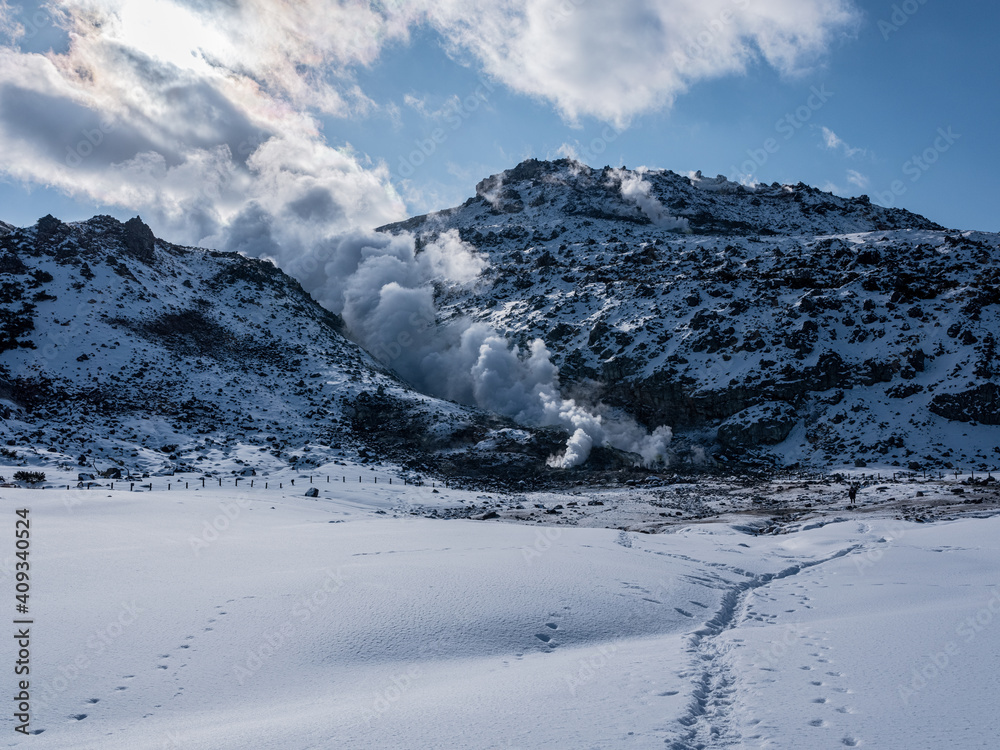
(324, 624)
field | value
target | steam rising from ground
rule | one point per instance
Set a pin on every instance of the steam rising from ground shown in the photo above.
(635, 189)
(383, 288)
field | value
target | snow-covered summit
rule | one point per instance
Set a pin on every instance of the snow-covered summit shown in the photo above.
(545, 194)
(835, 330)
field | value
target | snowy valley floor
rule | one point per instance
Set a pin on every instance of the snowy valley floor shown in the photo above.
(222, 618)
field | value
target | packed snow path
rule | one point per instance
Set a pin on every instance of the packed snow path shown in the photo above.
(304, 623)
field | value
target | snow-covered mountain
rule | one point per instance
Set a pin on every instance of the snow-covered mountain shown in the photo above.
(120, 348)
(765, 323)
(771, 320)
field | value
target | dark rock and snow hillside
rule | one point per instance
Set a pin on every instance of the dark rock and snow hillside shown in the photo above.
(117, 347)
(774, 319)
(590, 314)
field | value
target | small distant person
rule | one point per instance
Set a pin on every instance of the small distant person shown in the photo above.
(852, 492)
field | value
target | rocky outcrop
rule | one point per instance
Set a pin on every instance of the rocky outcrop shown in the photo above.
(138, 240)
(980, 404)
(736, 297)
(764, 424)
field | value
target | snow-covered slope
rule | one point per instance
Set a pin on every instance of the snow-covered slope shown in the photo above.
(223, 618)
(771, 318)
(119, 348)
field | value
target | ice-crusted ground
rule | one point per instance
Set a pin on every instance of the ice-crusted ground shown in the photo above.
(236, 618)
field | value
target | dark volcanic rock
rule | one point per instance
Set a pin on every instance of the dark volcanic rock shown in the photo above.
(138, 240)
(765, 424)
(980, 404)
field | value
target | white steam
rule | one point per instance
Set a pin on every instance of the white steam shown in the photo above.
(636, 190)
(383, 288)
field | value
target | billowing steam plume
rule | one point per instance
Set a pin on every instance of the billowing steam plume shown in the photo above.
(635, 189)
(383, 289)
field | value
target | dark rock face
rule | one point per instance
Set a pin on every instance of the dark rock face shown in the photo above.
(49, 226)
(745, 296)
(138, 240)
(980, 404)
(765, 424)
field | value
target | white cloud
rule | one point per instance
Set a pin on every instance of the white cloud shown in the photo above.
(857, 179)
(204, 116)
(200, 114)
(834, 142)
(9, 27)
(449, 107)
(616, 60)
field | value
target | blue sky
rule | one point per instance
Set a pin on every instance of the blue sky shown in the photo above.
(895, 100)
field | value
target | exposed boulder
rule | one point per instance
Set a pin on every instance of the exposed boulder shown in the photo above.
(764, 424)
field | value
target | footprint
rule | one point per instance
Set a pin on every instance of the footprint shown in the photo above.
(94, 700)
(817, 683)
(161, 666)
(850, 742)
(686, 614)
(184, 646)
(78, 717)
(552, 625)
(819, 700)
(121, 687)
(543, 637)
(668, 693)
(817, 723)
